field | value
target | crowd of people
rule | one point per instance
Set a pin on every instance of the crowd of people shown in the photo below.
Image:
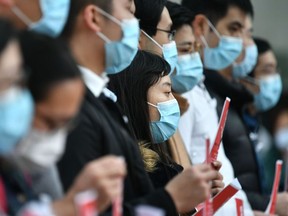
(107, 105)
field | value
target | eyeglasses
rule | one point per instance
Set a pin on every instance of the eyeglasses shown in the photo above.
(171, 33)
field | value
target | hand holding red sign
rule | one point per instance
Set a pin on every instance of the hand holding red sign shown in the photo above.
(220, 199)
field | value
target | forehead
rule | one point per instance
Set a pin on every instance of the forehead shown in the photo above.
(164, 81)
(268, 58)
(165, 20)
(184, 32)
(248, 25)
(234, 15)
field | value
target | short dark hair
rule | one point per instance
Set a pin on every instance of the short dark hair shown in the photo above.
(76, 6)
(215, 10)
(180, 15)
(149, 12)
(131, 87)
(48, 62)
(7, 33)
(262, 47)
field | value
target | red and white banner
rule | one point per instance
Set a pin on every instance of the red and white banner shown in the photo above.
(219, 135)
(221, 198)
(208, 208)
(86, 203)
(272, 204)
(117, 205)
(239, 207)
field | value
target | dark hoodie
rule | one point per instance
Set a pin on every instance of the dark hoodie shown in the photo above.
(237, 144)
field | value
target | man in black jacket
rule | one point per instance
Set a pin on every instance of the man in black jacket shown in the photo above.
(219, 26)
(92, 30)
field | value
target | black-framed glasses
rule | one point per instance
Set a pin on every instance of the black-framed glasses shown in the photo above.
(171, 33)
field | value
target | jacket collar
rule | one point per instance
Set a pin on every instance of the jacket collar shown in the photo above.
(239, 94)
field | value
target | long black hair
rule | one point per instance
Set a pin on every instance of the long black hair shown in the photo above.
(131, 87)
(7, 34)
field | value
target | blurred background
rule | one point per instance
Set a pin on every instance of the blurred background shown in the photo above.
(271, 23)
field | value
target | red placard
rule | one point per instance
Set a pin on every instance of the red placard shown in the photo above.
(3, 200)
(272, 204)
(208, 208)
(219, 135)
(221, 198)
(117, 205)
(239, 207)
(86, 203)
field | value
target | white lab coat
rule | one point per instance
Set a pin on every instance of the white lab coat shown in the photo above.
(201, 121)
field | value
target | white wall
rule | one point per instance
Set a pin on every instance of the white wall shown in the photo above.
(271, 22)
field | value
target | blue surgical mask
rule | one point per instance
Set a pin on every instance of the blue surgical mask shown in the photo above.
(120, 54)
(281, 139)
(16, 114)
(163, 129)
(222, 56)
(169, 52)
(246, 66)
(54, 16)
(270, 91)
(189, 72)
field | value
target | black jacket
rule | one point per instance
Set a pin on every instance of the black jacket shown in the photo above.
(237, 144)
(101, 132)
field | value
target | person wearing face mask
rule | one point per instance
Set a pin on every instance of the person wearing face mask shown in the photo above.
(154, 95)
(93, 30)
(42, 16)
(266, 85)
(16, 107)
(247, 60)
(189, 68)
(201, 119)
(222, 39)
(275, 121)
(18, 194)
(158, 38)
(156, 35)
(16, 112)
(57, 89)
(153, 112)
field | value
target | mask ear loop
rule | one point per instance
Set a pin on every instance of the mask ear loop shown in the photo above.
(109, 16)
(25, 19)
(113, 19)
(152, 105)
(213, 29)
(155, 42)
(202, 38)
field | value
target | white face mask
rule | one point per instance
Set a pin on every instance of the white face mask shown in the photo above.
(281, 139)
(220, 57)
(169, 51)
(40, 150)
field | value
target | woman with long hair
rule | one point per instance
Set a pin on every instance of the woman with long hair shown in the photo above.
(144, 92)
